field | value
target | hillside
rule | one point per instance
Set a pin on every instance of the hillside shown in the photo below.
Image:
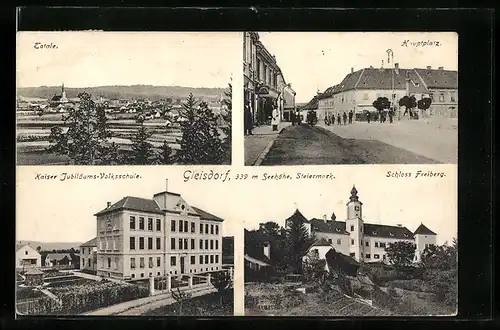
(46, 246)
(126, 92)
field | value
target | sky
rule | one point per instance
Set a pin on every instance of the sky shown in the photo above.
(62, 211)
(318, 60)
(89, 59)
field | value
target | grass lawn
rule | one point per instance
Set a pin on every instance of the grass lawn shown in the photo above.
(207, 305)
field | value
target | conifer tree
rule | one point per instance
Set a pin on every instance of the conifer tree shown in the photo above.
(142, 150)
(297, 243)
(165, 156)
(227, 129)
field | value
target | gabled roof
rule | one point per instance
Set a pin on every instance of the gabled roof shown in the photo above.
(329, 226)
(297, 216)
(20, 246)
(204, 215)
(313, 104)
(256, 261)
(91, 243)
(336, 260)
(423, 230)
(133, 203)
(58, 256)
(373, 230)
(445, 79)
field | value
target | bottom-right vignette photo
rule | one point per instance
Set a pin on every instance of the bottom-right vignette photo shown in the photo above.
(352, 249)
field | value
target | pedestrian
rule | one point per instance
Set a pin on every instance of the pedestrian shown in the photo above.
(275, 118)
(344, 117)
(297, 117)
(338, 119)
(368, 115)
(332, 118)
(351, 114)
(248, 119)
(391, 114)
(292, 117)
(326, 121)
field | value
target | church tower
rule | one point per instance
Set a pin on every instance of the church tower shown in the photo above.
(63, 94)
(354, 225)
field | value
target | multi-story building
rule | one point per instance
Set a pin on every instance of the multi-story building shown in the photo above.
(264, 83)
(27, 257)
(359, 89)
(139, 237)
(362, 241)
(88, 255)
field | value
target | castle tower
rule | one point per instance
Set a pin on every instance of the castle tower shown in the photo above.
(423, 238)
(354, 225)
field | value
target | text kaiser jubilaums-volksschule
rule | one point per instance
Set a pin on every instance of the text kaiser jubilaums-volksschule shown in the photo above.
(87, 176)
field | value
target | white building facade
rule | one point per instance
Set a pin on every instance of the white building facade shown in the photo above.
(27, 257)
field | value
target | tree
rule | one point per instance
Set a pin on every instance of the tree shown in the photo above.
(142, 150)
(424, 104)
(38, 249)
(165, 155)
(313, 268)
(221, 282)
(409, 102)
(400, 254)
(180, 297)
(270, 228)
(227, 127)
(85, 141)
(381, 104)
(201, 140)
(333, 217)
(297, 242)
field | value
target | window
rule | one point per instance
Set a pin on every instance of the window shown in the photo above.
(382, 245)
(192, 244)
(211, 244)
(109, 262)
(172, 243)
(158, 224)
(89, 261)
(201, 260)
(431, 96)
(361, 254)
(367, 243)
(367, 256)
(353, 255)
(142, 274)
(352, 228)
(339, 241)
(133, 275)
(186, 244)
(376, 256)
(330, 241)
(150, 263)
(181, 227)
(172, 261)
(216, 229)
(206, 244)
(150, 224)
(172, 225)
(201, 244)
(132, 222)
(211, 229)
(206, 259)
(132, 263)
(383, 257)
(193, 260)
(186, 224)
(193, 228)
(441, 97)
(141, 262)
(217, 259)
(158, 243)
(452, 97)
(180, 243)
(376, 244)
(352, 242)
(217, 244)
(206, 228)
(132, 243)
(150, 243)
(211, 259)
(141, 243)
(158, 263)
(141, 223)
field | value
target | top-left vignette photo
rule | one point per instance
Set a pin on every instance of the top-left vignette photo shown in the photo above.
(125, 98)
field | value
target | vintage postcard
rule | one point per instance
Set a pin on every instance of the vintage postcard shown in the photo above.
(123, 242)
(121, 98)
(345, 242)
(314, 98)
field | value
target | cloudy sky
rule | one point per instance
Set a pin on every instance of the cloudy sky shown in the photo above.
(318, 60)
(55, 211)
(86, 59)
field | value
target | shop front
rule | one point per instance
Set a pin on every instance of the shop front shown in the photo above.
(266, 100)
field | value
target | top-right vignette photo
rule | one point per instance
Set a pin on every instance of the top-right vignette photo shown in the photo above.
(319, 98)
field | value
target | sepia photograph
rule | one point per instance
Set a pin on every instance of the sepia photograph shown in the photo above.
(122, 244)
(319, 98)
(363, 245)
(124, 98)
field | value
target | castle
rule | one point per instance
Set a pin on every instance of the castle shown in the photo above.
(362, 241)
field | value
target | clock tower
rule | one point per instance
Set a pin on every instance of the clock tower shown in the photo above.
(354, 225)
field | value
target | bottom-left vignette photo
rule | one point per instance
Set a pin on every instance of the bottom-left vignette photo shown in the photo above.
(153, 247)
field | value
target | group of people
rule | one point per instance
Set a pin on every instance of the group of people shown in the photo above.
(346, 118)
(296, 117)
(248, 118)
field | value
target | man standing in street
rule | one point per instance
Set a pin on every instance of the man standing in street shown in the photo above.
(275, 118)
(338, 119)
(350, 116)
(248, 119)
(344, 117)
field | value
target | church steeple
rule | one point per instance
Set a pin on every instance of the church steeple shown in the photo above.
(354, 194)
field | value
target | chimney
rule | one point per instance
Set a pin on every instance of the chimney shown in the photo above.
(441, 68)
(396, 68)
(352, 70)
(267, 250)
(108, 204)
(371, 66)
(400, 225)
(429, 67)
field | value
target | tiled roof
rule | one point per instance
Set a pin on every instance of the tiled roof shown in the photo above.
(439, 78)
(335, 259)
(20, 246)
(92, 242)
(297, 216)
(329, 226)
(206, 216)
(313, 104)
(133, 203)
(423, 230)
(58, 256)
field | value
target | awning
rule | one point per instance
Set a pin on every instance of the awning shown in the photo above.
(255, 261)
